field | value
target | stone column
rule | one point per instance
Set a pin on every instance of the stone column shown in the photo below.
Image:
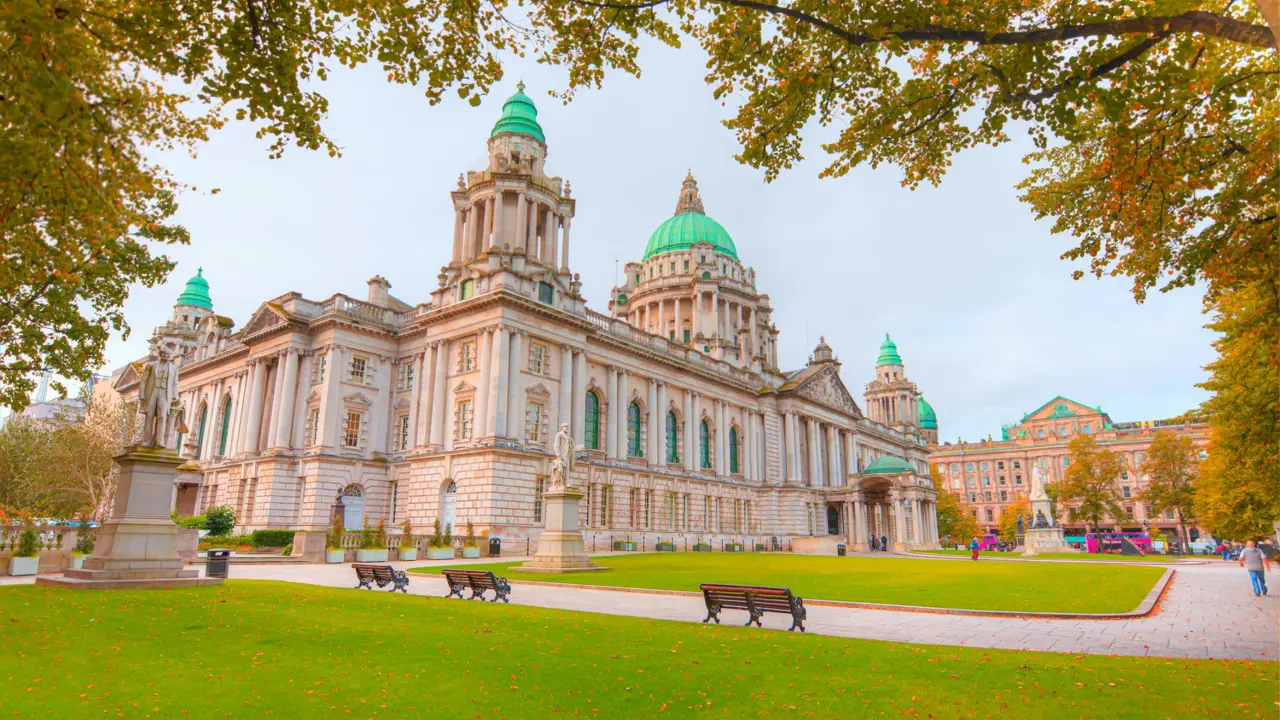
(277, 392)
(530, 210)
(522, 232)
(676, 316)
(580, 396)
(499, 219)
(284, 425)
(487, 239)
(564, 411)
(253, 424)
(611, 415)
(900, 521)
(331, 421)
(624, 395)
(457, 235)
(722, 440)
(438, 380)
(662, 319)
(833, 455)
(564, 253)
(501, 378)
(815, 468)
(515, 388)
(755, 337)
(237, 413)
(661, 459)
(655, 426)
(748, 445)
(694, 312)
(689, 432)
(482, 418)
(417, 392)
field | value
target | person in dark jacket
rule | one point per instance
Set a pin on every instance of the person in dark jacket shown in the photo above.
(884, 543)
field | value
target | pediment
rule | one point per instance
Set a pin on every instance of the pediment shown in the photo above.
(267, 317)
(402, 403)
(131, 375)
(539, 391)
(826, 388)
(357, 398)
(1061, 407)
(463, 387)
(314, 397)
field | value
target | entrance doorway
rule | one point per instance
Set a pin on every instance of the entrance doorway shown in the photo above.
(353, 507)
(449, 506)
(833, 520)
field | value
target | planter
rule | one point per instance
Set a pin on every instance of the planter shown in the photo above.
(666, 547)
(700, 547)
(75, 562)
(23, 565)
(733, 548)
(470, 552)
(408, 553)
(439, 553)
(335, 556)
(624, 546)
(371, 555)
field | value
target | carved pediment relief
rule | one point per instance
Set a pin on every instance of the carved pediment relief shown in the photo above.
(402, 403)
(826, 389)
(357, 398)
(314, 397)
(539, 391)
(266, 318)
(130, 376)
(463, 387)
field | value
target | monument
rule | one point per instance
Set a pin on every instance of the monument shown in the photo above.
(560, 546)
(1043, 534)
(137, 547)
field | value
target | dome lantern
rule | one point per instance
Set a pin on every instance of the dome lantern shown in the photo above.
(520, 116)
(888, 353)
(690, 225)
(196, 293)
(928, 419)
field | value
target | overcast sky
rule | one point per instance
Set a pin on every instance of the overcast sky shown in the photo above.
(986, 317)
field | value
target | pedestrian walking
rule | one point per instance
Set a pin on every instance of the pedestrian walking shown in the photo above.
(1256, 562)
(875, 543)
(1225, 549)
(973, 545)
(884, 543)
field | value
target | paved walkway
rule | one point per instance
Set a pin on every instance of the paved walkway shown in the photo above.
(1209, 611)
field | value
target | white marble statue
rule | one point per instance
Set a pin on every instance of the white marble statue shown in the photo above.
(158, 400)
(565, 451)
(1038, 479)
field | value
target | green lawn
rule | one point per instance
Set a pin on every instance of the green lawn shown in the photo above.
(1082, 557)
(1044, 587)
(284, 650)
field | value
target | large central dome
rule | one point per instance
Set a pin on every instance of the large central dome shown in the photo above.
(690, 225)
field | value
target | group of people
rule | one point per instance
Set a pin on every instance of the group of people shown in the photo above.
(879, 543)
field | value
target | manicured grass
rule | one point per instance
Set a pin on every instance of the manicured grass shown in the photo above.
(1034, 587)
(283, 650)
(1082, 557)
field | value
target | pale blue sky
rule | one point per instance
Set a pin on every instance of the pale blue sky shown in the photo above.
(970, 286)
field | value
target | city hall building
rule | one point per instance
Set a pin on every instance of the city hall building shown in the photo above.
(444, 408)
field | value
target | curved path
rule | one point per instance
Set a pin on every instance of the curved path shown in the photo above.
(1209, 611)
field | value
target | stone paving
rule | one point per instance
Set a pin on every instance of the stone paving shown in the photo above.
(1209, 611)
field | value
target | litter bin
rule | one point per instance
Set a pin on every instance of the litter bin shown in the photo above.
(219, 561)
(495, 547)
(840, 550)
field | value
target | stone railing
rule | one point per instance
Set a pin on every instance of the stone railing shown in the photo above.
(50, 537)
(622, 330)
(360, 310)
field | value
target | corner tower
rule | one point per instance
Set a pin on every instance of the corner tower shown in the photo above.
(892, 399)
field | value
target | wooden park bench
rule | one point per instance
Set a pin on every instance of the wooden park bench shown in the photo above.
(478, 581)
(384, 575)
(756, 600)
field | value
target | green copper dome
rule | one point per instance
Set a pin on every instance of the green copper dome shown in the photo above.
(888, 353)
(888, 465)
(197, 292)
(519, 115)
(928, 420)
(690, 225)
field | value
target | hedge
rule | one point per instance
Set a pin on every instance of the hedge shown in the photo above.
(272, 538)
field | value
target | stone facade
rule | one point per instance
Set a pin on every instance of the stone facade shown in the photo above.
(446, 409)
(991, 474)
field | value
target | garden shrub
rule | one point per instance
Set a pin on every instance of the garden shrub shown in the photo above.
(27, 544)
(220, 520)
(271, 538)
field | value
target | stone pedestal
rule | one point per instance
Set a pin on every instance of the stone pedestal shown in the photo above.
(138, 546)
(187, 488)
(1044, 540)
(560, 546)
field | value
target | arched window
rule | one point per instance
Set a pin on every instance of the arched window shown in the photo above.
(704, 445)
(204, 415)
(592, 431)
(352, 506)
(673, 438)
(466, 289)
(733, 451)
(633, 431)
(226, 427)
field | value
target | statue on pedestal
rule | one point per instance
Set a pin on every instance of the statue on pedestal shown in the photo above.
(1021, 531)
(1038, 479)
(158, 400)
(562, 464)
(1041, 521)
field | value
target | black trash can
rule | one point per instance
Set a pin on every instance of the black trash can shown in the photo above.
(840, 550)
(495, 547)
(219, 561)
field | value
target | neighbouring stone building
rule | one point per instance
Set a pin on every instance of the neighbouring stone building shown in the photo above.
(992, 474)
(444, 409)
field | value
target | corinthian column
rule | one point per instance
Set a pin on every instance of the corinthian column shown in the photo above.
(287, 395)
(611, 421)
(565, 410)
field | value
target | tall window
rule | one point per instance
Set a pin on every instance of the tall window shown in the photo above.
(321, 363)
(226, 426)
(540, 486)
(534, 422)
(633, 431)
(466, 357)
(546, 293)
(733, 451)
(592, 430)
(351, 430)
(463, 416)
(704, 445)
(402, 432)
(404, 376)
(204, 415)
(606, 492)
(466, 289)
(673, 438)
(537, 359)
(313, 427)
(359, 368)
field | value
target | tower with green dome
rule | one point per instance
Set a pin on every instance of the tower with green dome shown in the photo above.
(194, 304)
(894, 400)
